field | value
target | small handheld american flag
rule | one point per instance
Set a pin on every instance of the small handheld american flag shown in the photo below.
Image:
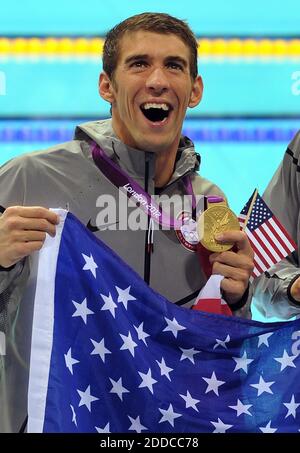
(269, 239)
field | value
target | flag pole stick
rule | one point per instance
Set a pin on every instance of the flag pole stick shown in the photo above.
(250, 209)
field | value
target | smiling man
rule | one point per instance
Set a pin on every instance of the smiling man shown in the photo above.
(149, 90)
(150, 78)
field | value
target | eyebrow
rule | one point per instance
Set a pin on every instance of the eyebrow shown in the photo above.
(133, 58)
(177, 59)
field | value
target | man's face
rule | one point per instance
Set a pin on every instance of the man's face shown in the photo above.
(151, 90)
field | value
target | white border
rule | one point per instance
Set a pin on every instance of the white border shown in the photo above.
(42, 328)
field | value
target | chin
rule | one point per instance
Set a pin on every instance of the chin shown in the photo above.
(154, 147)
(154, 143)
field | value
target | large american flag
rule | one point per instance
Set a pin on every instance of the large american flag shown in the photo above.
(111, 355)
(269, 239)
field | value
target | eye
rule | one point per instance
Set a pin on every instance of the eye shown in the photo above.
(175, 65)
(139, 64)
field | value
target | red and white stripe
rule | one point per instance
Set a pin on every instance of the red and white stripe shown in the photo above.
(210, 299)
(270, 242)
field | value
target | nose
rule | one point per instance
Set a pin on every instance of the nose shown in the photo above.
(157, 80)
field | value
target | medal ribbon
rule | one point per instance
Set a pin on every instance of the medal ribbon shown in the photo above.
(133, 190)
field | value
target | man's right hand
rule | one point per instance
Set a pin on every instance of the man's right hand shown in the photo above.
(23, 231)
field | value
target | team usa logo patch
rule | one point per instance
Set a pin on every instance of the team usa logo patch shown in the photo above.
(187, 234)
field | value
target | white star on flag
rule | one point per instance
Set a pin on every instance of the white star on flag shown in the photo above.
(292, 407)
(147, 380)
(124, 295)
(108, 304)
(241, 408)
(90, 264)
(222, 343)
(117, 387)
(213, 384)
(70, 361)
(188, 354)
(267, 428)
(106, 429)
(262, 386)
(168, 415)
(86, 398)
(128, 343)
(136, 424)
(286, 360)
(82, 310)
(164, 369)
(263, 339)
(190, 401)
(141, 334)
(220, 427)
(74, 420)
(100, 349)
(173, 326)
(242, 362)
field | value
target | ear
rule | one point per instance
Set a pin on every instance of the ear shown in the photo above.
(106, 89)
(197, 91)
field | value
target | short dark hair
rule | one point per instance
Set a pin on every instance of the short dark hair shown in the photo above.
(153, 22)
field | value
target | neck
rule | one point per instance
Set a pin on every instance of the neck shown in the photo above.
(164, 168)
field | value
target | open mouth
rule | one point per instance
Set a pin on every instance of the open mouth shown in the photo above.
(155, 112)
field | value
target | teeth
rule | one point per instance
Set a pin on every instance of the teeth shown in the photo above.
(152, 105)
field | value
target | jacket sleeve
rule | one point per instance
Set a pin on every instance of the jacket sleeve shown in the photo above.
(271, 289)
(12, 189)
(12, 284)
(245, 310)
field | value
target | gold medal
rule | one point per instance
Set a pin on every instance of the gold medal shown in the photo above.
(214, 220)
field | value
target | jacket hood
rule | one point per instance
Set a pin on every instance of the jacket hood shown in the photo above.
(131, 159)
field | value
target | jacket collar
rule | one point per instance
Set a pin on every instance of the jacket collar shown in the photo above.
(132, 160)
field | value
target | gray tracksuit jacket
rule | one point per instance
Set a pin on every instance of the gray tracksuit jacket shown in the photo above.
(66, 176)
(282, 195)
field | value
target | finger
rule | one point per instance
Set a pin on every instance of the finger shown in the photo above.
(33, 212)
(23, 223)
(29, 236)
(24, 249)
(236, 237)
(214, 256)
(233, 287)
(39, 225)
(234, 273)
(232, 259)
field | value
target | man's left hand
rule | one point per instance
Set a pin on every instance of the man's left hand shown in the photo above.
(236, 266)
